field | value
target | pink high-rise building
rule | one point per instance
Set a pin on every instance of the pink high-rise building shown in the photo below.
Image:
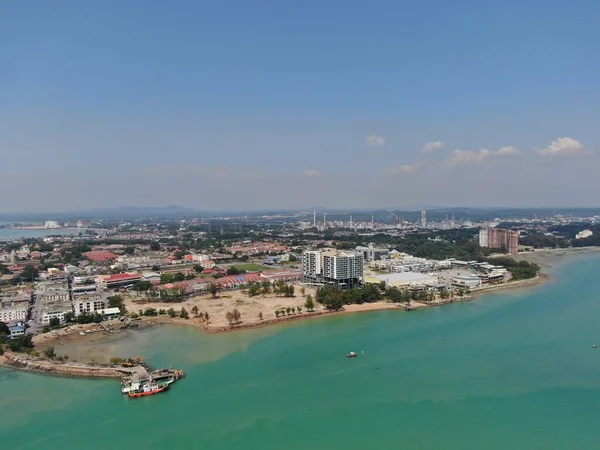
(499, 238)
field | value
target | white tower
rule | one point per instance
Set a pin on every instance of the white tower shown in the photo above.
(315, 219)
(423, 219)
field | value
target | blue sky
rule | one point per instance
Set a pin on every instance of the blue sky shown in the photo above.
(268, 104)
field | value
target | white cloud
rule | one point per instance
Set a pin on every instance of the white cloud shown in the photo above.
(374, 140)
(312, 173)
(507, 150)
(562, 146)
(433, 146)
(478, 156)
(467, 156)
(406, 168)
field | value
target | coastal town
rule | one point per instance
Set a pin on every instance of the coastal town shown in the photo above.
(235, 273)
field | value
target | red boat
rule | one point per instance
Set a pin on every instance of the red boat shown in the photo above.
(351, 355)
(148, 389)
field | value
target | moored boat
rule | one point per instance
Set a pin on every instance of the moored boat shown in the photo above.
(148, 389)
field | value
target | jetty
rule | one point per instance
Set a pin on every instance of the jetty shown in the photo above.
(20, 361)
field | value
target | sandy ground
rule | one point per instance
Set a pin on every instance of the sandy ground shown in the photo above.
(550, 257)
(249, 307)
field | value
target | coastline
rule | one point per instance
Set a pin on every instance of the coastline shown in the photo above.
(546, 257)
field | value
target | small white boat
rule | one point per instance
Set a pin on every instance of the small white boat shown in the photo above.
(351, 355)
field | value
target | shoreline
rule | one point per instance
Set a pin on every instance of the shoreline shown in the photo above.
(54, 368)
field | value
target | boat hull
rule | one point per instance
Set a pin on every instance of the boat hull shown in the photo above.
(147, 393)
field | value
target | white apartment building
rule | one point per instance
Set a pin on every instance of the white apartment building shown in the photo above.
(53, 300)
(17, 313)
(483, 238)
(333, 267)
(89, 303)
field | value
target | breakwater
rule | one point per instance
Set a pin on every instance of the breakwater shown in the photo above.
(73, 369)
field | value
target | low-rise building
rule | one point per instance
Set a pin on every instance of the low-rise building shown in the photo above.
(117, 280)
(110, 313)
(16, 331)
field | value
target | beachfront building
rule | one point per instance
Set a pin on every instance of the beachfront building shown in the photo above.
(403, 279)
(508, 240)
(466, 281)
(333, 268)
(110, 313)
(89, 303)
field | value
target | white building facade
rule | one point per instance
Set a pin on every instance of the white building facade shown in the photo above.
(333, 267)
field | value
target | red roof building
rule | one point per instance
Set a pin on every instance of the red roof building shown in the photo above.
(119, 279)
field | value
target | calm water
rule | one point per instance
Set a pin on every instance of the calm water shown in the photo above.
(7, 234)
(510, 371)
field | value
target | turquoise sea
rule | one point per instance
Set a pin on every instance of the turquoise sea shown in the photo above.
(512, 370)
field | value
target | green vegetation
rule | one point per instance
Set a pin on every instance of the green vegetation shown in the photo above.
(234, 271)
(142, 286)
(282, 288)
(155, 246)
(116, 301)
(84, 318)
(334, 299)
(309, 304)
(520, 270)
(54, 323)
(21, 344)
(50, 353)
(184, 314)
(29, 273)
(397, 295)
(213, 289)
(233, 317)
(4, 331)
(167, 278)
